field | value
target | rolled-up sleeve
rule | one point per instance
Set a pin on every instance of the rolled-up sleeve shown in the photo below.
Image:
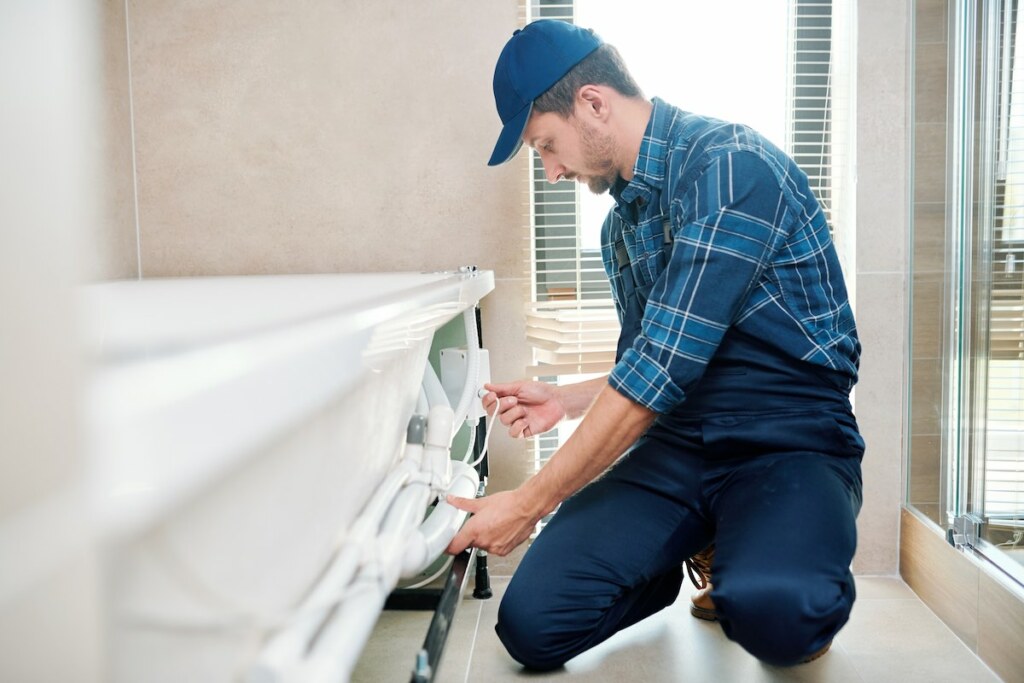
(741, 218)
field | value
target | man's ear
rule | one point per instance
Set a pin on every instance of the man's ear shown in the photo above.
(592, 102)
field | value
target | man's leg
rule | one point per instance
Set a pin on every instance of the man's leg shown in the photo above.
(785, 538)
(610, 557)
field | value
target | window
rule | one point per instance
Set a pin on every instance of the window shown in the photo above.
(1003, 259)
(793, 93)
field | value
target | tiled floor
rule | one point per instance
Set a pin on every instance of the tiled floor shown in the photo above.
(891, 636)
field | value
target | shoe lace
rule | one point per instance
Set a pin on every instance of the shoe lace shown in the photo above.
(698, 567)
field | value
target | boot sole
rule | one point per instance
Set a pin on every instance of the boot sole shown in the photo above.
(704, 613)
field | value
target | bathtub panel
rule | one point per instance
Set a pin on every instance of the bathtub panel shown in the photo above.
(227, 467)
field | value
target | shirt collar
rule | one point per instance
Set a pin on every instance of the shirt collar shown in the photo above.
(649, 169)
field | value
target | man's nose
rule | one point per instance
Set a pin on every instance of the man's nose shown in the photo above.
(554, 171)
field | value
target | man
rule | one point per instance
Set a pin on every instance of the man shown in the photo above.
(729, 397)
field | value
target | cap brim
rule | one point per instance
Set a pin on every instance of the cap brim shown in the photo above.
(511, 138)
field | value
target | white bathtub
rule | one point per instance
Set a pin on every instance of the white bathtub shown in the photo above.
(237, 427)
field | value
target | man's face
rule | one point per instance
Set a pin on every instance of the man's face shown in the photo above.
(573, 149)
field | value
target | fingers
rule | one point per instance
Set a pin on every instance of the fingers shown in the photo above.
(465, 504)
(508, 389)
(506, 401)
(461, 541)
(468, 538)
(520, 428)
(511, 414)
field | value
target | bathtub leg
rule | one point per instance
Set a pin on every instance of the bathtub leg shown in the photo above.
(482, 580)
(482, 587)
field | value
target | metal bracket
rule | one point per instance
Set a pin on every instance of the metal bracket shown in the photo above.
(966, 531)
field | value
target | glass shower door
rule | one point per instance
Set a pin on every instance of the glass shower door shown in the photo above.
(983, 389)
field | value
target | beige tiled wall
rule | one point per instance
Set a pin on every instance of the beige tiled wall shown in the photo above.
(280, 137)
(881, 119)
(928, 251)
(284, 137)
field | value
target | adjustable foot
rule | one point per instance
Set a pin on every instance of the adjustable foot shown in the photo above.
(482, 589)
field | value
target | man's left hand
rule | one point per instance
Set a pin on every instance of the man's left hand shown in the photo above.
(500, 522)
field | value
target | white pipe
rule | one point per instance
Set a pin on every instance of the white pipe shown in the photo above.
(407, 512)
(470, 388)
(291, 641)
(437, 460)
(340, 639)
(422, 402)
(440, 527)
(433, 389)
(337, 648)
(403, 517)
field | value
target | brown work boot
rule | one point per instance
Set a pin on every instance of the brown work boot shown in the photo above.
(699, 569)
(819, 653)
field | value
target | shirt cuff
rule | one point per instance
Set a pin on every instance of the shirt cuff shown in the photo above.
(642, 380)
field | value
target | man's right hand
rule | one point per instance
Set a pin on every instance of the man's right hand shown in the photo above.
(527, 407)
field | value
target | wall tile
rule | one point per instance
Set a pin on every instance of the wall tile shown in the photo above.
(1001, 628)
(930, 21)
(930, 82)
(942, 576)
(929, 237)
(926, 396)
(924, 475)
(270, 139)
(881, 135)
(930, 162)
(880, 414)
(926, 315)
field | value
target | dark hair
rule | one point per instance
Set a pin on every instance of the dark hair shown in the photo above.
(603, 66)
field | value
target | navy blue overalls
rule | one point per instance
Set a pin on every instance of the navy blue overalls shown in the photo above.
(763, 459)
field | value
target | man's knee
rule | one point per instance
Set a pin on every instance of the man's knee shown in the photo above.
(782, 620)
(525, 630)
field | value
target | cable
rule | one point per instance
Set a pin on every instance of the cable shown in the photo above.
(487, 436)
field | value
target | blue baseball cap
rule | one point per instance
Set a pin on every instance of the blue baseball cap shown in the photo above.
(534, 59)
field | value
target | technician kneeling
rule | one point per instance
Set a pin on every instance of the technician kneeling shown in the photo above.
(729, 399)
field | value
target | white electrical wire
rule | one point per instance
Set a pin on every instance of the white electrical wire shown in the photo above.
(487, 436)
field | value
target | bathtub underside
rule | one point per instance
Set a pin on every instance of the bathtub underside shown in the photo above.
(224, 495)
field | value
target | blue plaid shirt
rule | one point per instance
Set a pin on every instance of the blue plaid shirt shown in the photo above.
(750, 248)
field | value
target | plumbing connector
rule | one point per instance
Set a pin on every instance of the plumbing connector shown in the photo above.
(436, 449)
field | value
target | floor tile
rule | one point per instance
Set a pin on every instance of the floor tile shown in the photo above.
(903, 640)
(669, 646)
(892, 636)
(391, 651)
(883, 587)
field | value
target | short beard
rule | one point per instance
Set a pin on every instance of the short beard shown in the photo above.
(598, 153)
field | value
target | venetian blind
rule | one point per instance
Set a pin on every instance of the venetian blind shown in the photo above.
(818, 119)
(571, 320)
(1004, 451)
